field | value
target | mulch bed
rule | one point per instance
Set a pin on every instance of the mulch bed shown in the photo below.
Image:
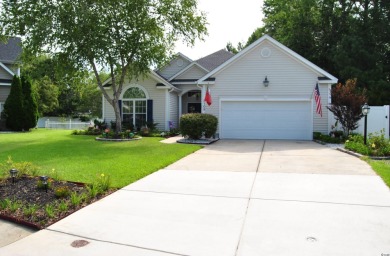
(26, 191)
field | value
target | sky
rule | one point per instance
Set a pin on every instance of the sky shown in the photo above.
(229, 21)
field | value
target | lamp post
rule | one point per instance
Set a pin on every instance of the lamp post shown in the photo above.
(365, 111)
(13, 173)
(44, 181)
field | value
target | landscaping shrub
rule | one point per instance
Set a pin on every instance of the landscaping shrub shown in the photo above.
(377, 144)
(195, 125)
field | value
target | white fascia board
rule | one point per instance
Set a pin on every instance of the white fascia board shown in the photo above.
(7, 69)
(287, 50)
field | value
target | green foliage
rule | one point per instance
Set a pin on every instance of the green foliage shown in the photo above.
(30, 107)
(13, 206)
(76, 199)
(47, 95)
(50, 210)
(327, 138)
(30, 210)
(377, 144)
(382, 168)
(80, 158)
(62, 192)
(13, 106)
(4, 203)
(43, 186)
(63, 206)
(195, 125)
(20, 108)
(24, 168)
(102, 33)
(347, 104)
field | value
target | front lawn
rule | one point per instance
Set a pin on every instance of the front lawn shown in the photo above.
(382, 168)
(81, 158)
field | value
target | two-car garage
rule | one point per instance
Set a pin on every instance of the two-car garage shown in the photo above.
(250, 119)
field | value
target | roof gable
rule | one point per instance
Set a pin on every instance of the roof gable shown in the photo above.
(11, 50)
(192, 71)
(286, 50)
(177, 64)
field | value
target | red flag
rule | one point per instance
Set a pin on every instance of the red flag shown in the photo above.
(317, 97)
(207, 98)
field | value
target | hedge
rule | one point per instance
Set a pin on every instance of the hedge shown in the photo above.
(196, 125)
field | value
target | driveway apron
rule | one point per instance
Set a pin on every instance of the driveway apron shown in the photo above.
(238, 198)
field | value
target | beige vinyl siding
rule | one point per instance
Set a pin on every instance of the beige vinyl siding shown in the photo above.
(4, 92)
(157, 95)
(173, 68)
(174, 109)
(289, 79)
(194, 72)
(4, 74)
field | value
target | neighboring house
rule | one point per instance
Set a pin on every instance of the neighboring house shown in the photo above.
(9, 56)
(245, 107)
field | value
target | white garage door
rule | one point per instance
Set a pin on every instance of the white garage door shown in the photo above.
(266, 120)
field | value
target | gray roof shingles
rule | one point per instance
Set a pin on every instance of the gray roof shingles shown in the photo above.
(214, 60)
(10, 51)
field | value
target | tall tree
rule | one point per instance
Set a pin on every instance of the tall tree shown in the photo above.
(127, 36)
(13, 106)
(47, 95)
(30, 107)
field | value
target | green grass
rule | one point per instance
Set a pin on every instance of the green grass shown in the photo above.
(382, 168)
(81, 158)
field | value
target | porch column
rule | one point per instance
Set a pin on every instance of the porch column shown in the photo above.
(203, 94)
(180, 95)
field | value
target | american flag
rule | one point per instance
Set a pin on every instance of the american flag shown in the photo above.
(317, 97)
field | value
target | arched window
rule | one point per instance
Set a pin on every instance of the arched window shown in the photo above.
(134, 107)
(134, 93)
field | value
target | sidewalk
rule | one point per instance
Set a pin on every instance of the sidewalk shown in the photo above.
(238, 198)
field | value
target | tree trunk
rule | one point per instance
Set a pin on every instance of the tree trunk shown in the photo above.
(118, 118)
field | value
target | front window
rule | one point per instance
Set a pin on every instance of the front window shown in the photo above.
(134, 107)
(1, 108)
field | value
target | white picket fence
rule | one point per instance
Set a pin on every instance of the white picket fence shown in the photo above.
(66, 125)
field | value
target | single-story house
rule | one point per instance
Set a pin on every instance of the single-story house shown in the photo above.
(263, 92)
(9, 56)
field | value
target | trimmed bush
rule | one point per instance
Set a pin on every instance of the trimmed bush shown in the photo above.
(30, 106)
(196, 125)
(13, 107)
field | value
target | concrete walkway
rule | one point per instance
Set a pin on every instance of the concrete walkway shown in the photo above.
(238, 198)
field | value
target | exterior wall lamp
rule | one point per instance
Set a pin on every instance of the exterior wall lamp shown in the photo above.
(365, 111)
(265, 82)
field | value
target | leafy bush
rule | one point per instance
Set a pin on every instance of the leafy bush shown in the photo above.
(62, 192)
(196, 125)
(377, 144)
(326, 138)
(24, 168)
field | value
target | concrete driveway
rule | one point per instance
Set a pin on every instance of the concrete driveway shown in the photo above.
(239, 198)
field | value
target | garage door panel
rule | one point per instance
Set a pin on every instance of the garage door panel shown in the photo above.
(266, 120)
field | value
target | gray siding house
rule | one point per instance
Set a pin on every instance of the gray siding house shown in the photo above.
(245, 107)
(9, 56)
